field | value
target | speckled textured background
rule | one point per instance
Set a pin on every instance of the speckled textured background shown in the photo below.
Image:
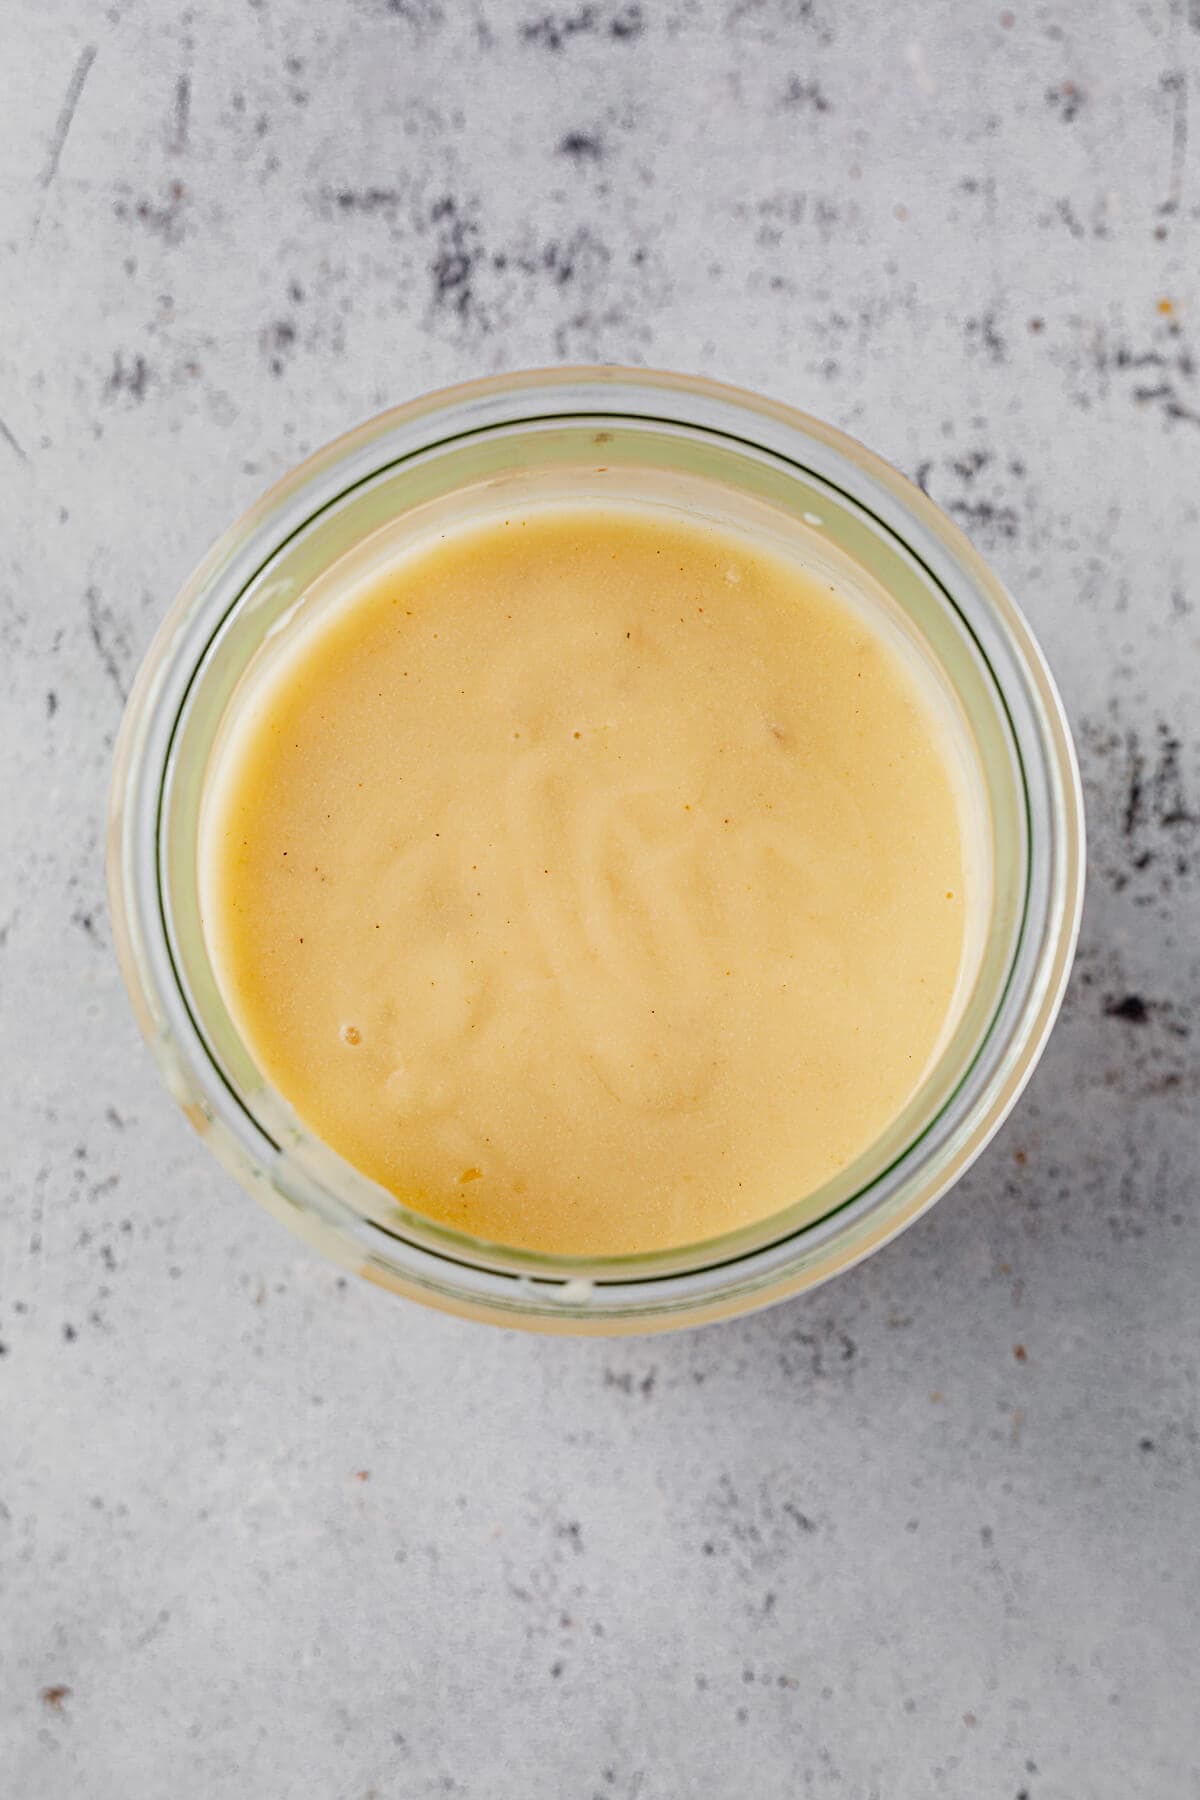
(933, 1531)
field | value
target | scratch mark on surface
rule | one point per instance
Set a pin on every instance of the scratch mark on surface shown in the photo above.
(37, 1210)
(100, 624)
(1176, 83)
(62, 124)
(182, 115)
(11, 440)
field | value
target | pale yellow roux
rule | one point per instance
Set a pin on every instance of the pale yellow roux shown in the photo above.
(593, 880)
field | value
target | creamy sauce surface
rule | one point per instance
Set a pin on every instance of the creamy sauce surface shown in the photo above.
(593, 880)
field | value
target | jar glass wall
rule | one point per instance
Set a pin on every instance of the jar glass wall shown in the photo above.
(707, 451)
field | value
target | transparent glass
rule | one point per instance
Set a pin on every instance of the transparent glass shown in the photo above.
(712, 451)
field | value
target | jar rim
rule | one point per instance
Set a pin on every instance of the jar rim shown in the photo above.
(552, 1292)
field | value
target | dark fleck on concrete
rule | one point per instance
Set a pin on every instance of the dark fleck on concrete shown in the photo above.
(86, 922)
(1170, 802)
(822, 1352)
(967, 467)
(982, 334)
(564, 260)
(1148, 823)
(455, 258)
(164, 219)
(368, 200)
(278, 340)
(805, 96)
(130, 378)
(581, 146)
(424, 16)
(53, 1697)
(1066, 100)
(1132, 1009)
(626, 1382)
(552, 31)
(626, 22)
(1158, 376)
(983, 518)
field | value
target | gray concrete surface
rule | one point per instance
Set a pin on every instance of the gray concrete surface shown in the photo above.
(265, 1532)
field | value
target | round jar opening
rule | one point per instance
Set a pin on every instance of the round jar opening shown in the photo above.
(611, 440)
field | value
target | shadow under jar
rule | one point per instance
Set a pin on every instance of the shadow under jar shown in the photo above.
(602, 437)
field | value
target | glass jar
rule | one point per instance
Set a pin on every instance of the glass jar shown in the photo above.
(599, 432)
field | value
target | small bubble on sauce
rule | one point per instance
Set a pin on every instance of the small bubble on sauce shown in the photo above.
(733, 576)
(351, 1034)
(811, 518)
